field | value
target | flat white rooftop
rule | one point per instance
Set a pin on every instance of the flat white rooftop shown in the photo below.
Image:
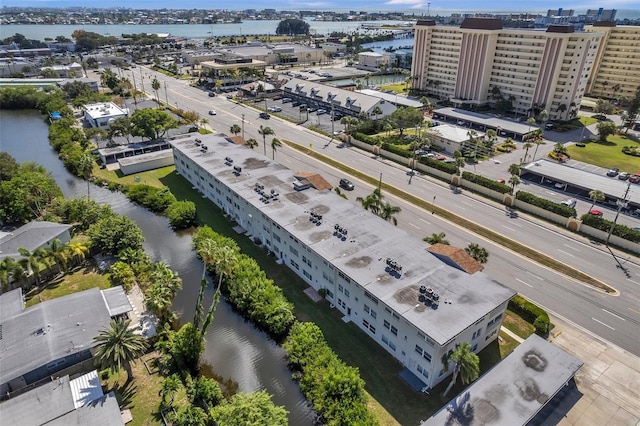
(361, 255)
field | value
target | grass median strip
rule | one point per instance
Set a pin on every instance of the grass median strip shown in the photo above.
(487, 233)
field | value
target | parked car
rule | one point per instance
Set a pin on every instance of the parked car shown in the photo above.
(571, 202)
(613, 172)
(229, 96)
(285, 100)
(346, 184)
(595, 212)
(277, 97)
(623, 176)
(274, 109)
(635, 178)
(548, 126)
(211, 94)
(212, 112)
(295, 103)
(312, 108)
(264, 116)
(321, 111)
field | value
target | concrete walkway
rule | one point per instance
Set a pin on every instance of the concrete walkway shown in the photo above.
(512, 334)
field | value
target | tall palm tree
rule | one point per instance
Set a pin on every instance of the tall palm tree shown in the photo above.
(527, 145)
(251, 143)
(60, 254)
(158, 299)
(543, 116)
(438, 238)
(206, 252)
(11, 271)
(275, 144)
(388, 213)
(203, 122)
(478, 252)
(31, 261)
(514, 181)
(459, 161)
(164, 276)
(225, 260)
(372, 202)
(595, 195)
(77, 251)
(235, 129)
(86, 168)
(467, 365)
(118, 345)
(265, 131)
(155, 85)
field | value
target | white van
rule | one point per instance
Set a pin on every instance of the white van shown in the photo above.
(571, 202)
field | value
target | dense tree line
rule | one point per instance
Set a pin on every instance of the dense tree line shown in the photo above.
(22, 42)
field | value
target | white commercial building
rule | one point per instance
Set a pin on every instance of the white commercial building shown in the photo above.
(479, 62)
(102, 114)
(416, 301)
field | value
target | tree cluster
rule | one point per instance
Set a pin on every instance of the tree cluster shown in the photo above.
(292, 27)
(87, 41)
(22, 42)
(26, 191)
(335, 389)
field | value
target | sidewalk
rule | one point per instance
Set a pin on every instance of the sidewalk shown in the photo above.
(608, 384)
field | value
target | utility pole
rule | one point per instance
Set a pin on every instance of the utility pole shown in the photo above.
(135, 89)
(166, 97)
(621, 204)
(242, 126)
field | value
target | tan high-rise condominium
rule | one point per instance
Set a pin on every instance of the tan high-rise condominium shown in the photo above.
(480, 63)
(617, 69)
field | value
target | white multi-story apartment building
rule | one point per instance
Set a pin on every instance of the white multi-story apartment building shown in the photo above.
(417, 302)
(480, 62)
(617, 69)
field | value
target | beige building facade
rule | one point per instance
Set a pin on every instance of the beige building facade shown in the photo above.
(480, 63)
(617, 69)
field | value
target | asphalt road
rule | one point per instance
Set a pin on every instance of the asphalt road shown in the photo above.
(614, 318)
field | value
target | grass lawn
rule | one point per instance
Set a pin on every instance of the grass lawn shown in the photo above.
(397, 87)
(607, 155)
(586, 120)
(507, 344)
(141, 394)
(81, 279)
(395, 402)
(151, 177)
(517, 325)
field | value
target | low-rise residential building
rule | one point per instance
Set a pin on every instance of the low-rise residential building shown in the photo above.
(416, 304)
(32, 236)
(373, 61)
(480, 62)
(617, 69)
(102, 114)
(451, 138)
(66, 71)
(341, 101)
(54, 335)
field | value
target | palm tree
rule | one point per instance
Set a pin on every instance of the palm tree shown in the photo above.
(275, 144)
(60, 254)
(78, 251)
(459, 161)
(527, 145)
(203, 122)
(595, 195)
(169, 389)
(372, 202)
(426, 103)
(118, 345)
(265, 131)
(235, 129)
(11, 271)
(480, 254)
(224, 260)
(86, 168)
(560, 150)
(251, 143)
(206, 251)
(543, 116)
(31, 261)
(467, 365)
(155, 85)
(438, 238)
(388, 213)
(350, 122)
(514, 180)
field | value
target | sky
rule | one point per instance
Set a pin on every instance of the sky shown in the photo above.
(369, 5)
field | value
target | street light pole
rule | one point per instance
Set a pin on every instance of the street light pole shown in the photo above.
(242, 126)
(166, 97)
(621, 204)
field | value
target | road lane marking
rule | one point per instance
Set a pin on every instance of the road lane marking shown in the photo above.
(425, 221)
(564, 252)
(611, 313)
(633, 310)
(510, 229)
(535, 276)
(635, 282)
(572, 248)
(515, 224)
(415, 226)
(466, 204)
(519, 280)
(608, 326)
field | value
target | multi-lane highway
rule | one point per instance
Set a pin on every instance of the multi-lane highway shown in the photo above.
(615, 318)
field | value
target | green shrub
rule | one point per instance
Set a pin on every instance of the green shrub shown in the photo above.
(531, 313)
(181, 214)
(155, 199)
(545, 204)
(619, 230)
(500, 187)
(439, 165)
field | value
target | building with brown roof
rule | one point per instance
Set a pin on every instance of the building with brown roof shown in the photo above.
(456, 257)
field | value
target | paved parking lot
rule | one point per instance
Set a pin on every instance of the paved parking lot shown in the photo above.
(308, 119)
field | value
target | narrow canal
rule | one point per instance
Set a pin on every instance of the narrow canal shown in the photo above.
(235, 350)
